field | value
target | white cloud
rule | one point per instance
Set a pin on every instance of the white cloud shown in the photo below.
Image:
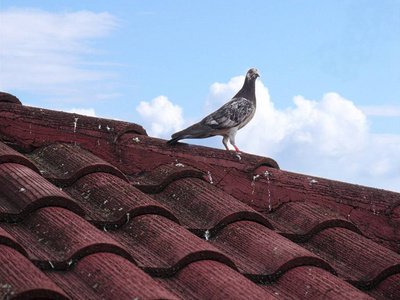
(83, 111)
(160, 116)
(44, 52)
(381, 110)
(328, 138)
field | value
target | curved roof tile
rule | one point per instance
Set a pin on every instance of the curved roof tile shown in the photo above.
(22, 191)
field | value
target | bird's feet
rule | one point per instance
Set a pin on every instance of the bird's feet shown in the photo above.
(236, 148)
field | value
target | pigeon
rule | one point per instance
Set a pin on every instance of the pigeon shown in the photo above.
(228, 119)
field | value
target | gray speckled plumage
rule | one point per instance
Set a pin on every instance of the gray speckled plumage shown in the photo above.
(228, 119)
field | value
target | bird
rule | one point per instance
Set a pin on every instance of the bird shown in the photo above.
(228, 119)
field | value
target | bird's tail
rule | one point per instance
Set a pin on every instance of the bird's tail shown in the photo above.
(193, 132)
(173, 141)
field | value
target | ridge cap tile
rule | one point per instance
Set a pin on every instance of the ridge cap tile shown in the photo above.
(9, 98)
(63, 163)
(26, 122)
(24, 191)
(202, 158)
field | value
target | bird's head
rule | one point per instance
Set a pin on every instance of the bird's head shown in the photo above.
(252, 74)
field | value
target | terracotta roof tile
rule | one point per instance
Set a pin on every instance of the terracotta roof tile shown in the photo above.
(157, 179)
(310, 282)
(63, 164)
(299, 221)
(20, 279)
(351, 255)
(203, 208)
(387, 289)
(55, 237)
(9, 155)
(260, 253)
(8, 240)
(23, 191)
(161, 247)
(6, 97)
(111, 210)
(212, 280)
(107, 276)
(109, 201)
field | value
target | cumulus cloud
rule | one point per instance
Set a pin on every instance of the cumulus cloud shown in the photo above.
(381, 110)
(160, 116)
(83, 111)
(44, 52)
(328, 138)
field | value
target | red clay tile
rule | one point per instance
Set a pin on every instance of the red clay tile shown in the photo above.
(32, 127)
(54, 238)
(162, 247)
(20, 279)
(23, 191)
(313, 283)
(299, 221)
(107, 276)
(9, 155)
(154, 152)
(203, 208)
(6, 97)
(388, 289)
(378, 226)
(157, 179)
(7, 240)
(109, 201)
(268, 188)
(256, 181)
(352, 254)
(63, 164)
(260, 253)
(212, 280)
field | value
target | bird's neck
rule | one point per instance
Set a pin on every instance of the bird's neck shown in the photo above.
(248, 90)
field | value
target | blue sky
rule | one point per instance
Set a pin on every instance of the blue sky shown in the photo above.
(329, 91)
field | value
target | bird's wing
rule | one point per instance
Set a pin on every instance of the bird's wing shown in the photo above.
(230, 115)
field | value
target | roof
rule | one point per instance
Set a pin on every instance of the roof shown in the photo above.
(93, 208)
